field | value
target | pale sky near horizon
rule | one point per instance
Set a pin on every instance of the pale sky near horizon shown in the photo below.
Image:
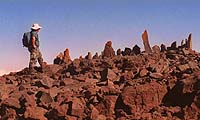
(86, 25)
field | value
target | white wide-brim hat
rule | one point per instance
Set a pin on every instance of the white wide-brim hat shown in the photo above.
(36, 26)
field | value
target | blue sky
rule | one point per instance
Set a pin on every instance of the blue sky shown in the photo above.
(85, 25)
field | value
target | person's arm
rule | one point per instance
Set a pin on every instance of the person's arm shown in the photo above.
(33, 39)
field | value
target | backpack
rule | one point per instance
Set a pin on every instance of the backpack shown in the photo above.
(26, 39)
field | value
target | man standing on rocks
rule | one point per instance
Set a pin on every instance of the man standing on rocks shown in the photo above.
(33, 48)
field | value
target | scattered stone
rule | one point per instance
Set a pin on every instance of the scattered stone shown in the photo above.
(193, 65)
(184, 67)
(12, 102)
(44, 97)
(77, 107)
(185, 51)
(156, 75)
(143, 72)
(35, 113)
(46, 83)
(94, 112)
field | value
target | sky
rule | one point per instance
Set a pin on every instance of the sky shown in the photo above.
(86, 25)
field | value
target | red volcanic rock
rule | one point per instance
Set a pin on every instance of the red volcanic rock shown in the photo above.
(156, 75)
(59, 109)
(108, 50)
(59, 59)
(44, 98)
(136, 50)
(96, 56)
(35, 113)
(163, 48)
(189, 44)
(94, 112)
(139, 86)
(183, 68)
(146, 42)
(127, 51)
(119, 52)
(77, 108)
(143, 72)
(12, 102)
(108, 74)
(156, 49)
(143, 97)
(173, 46)
(66, 58)
(88, 56)
(63, 58)
(109, 102)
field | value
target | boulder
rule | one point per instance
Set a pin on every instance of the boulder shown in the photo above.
(108, 74)
(44, 98)
(173, 46)
(193, 65)
(127, 51)
(136, 50)
(94, 112)
(143, 72)
(108, 50)
(156, 75)
(35, 113)
(12, 102)
(59, 59)
(77, 107)
(163, 48)
(119, 52)
(183, 67)
(143, 97)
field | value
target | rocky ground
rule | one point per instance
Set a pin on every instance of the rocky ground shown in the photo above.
(160, 85)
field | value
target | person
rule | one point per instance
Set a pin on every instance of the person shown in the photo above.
(35, 54)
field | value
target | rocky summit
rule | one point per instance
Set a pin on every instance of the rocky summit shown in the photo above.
(159, 84)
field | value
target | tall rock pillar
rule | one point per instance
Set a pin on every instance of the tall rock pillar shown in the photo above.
(146, 42)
